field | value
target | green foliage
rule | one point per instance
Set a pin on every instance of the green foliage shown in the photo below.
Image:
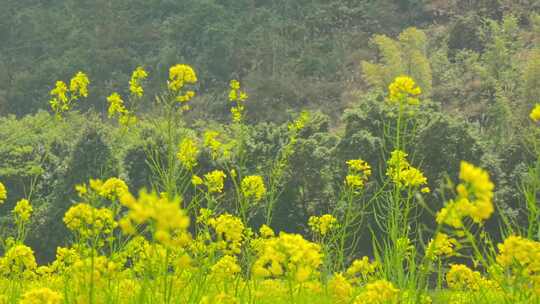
(531, 76)
(405, 56)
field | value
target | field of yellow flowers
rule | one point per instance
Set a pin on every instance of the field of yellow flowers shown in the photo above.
(181, 243)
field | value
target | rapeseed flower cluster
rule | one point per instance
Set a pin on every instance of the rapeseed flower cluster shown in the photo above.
(63, 98)
(402, 173)
(322, 224)
(204, 215)
(535, 113)
(210, 141)
(214, 181)
(300, 123)
(181, 75)
(79, 85)
(404, 91)
(474, 198)
(221, 298)
(340, 288)
(88, 222)
(253, 188)
(219, 149)
(461, 277)
(23, 211)
(65, 258)
(96, 269)
(361, 270)
(358, 175)
(3, 193)
(147, 257)
(237, 97)
(168, 221)
(520, 255)
(288, 255)
(229, 232)
(41, 296)
(135, 83)
(266, 232)
(271, 289)
(188, 153)
(112, 188)
(226, 268)
(60, 98)
(118, 107)
(18, 262)
(378, 292)
(196, 180)
(441, 246)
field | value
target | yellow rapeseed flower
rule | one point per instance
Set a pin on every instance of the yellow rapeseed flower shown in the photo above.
(62, 98)
(300, 123)
(226, 268)
(210, 141)
(112, 188)
(179, 76)
(3, 193)
(59, 101)
(89, 222)
(41, 296)
(237, 98)
(196, 180)
(404, 90)
(60, 92)
(535, 113)
(402, 173)
(361, 270)
(359, 172)
(78, 86)
(185, 98)
(474, 198)
(220, 298)
(520, 255)
(441, 246)
(168, 221)
(322, 224)
(204, 215)
(135, 83)
(266, 232)
(253, 188)
(378, 292)
(116, 105)
(234, 84)
(214, 181)
(229, 231)
(65, 258)
(188, 153)
(23, 210)
(340, 288)
(287, 255)
(461, 277)
(18, 261)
